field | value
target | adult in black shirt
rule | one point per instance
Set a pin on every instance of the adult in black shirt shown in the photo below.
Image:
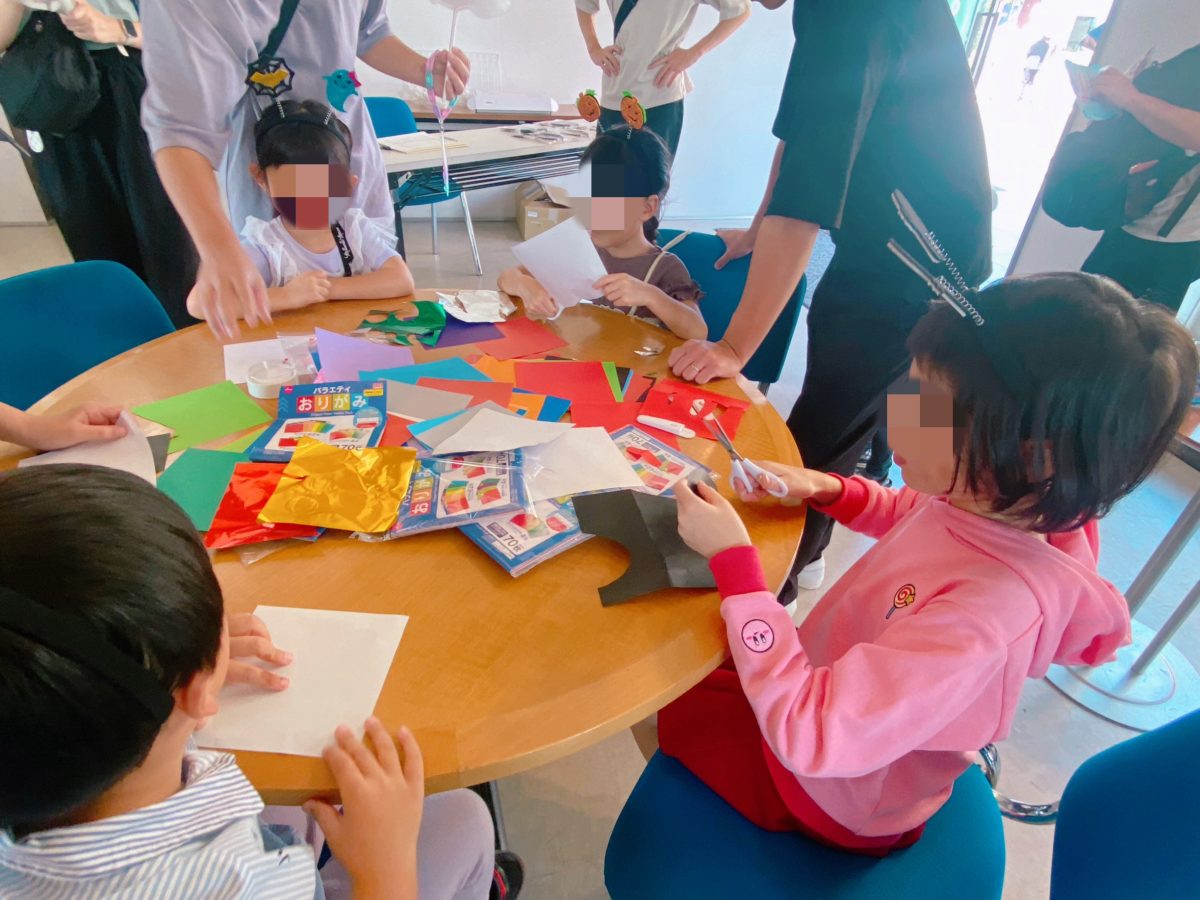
(878, 97)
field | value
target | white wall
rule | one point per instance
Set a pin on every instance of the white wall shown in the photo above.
(20, 206)
(726, 149)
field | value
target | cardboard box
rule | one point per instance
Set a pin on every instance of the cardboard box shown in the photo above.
(540, 207)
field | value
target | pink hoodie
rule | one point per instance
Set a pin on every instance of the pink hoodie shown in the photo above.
(916, 657)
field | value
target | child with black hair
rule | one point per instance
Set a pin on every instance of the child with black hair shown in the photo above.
(318, 247)
(110, 659)
(1020, 426)
(630, 172)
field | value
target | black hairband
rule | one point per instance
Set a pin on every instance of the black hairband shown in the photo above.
(270, 121)
(73, 638)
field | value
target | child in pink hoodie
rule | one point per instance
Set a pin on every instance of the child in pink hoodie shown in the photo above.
(1013, 436)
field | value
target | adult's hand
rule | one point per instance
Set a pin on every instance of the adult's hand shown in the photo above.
(229, 287)
(672, 66)
(607, 58)
(1113, 86)
(89, 24)
(739, 242)
(451, 72)
(702, 361)
(250, 639)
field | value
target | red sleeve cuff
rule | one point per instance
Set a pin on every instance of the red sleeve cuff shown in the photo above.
(853, 501)
(738, 571)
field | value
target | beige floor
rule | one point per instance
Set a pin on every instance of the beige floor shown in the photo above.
(559, 816)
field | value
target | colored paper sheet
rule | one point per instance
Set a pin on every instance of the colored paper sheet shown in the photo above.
(554, 409)
(130, 453)
(431, 431)
(615, 416)
(575, 381)
(637, 389)
(458, 334)
(242, 444)
(160, 446)
(565, 261)
(528, 405)
(522, 337)
(236, 520)
(396, 434)
(411, 401)
(582, 461)
(614, 381)
(343, 357)
(205, 414)
(197, 481)
(479, 391)
(351, 490)
(496, 369)
(488, 430)
(687, 404)
(340, 661)
(240, 357)
(454, 368)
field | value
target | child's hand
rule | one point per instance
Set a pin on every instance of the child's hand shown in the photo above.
(538, 302)
(375, 835)
(308, 288)
(89, 422)
(802, 485)
(249, 637)
(707, 522)
(624, 291)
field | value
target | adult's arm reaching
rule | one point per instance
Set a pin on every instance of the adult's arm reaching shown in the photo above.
(1177, 124)
(392, 56)
(11, 15)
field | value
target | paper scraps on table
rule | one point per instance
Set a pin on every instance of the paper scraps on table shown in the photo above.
(198, 480)
(343, 357)
(340, 663)
(459, 334)
(418, 403)
(613, 417)
(647, 527)
(130, 453)
(477, 306)
(581, 461)
(688, 405)
(564, 261)
(486, 429)
(350, 490)
(479, 391)
(236, 520)
(585, 382)
(522, 337)
(453, 368)
(240, 357)
(205, 414)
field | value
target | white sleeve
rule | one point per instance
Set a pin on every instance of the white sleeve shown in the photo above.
(728, 9)
(588, 6)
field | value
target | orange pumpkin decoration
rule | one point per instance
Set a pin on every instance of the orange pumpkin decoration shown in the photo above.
(632, 111)
(588, 106)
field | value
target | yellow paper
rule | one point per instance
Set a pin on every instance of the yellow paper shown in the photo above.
(350, 490)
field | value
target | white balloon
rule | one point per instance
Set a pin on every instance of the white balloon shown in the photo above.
(485, 9)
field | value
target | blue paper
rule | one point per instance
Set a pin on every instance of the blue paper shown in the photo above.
(419, 428)
(454, 369)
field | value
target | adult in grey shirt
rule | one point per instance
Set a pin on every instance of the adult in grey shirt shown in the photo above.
(200, 115)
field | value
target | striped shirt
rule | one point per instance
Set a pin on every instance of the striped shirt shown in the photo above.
(203, 841)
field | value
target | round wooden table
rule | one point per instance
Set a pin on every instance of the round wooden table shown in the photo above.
(495, 674)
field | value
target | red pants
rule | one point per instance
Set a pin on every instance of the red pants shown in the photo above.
(712, 730)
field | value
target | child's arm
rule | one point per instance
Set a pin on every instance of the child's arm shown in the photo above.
(517, 282)
(89, 422)
(680, 316)
(392, 279)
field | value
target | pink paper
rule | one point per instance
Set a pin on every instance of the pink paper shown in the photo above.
(342, 357)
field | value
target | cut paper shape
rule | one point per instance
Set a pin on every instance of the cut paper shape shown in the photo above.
(343, 357)
(351, 490)
(454, 368)
(648, 528)
(522, 337)
(130, 453)
(613, 417)
(581, 461)
(418, 403)
(160, 447)
(564, 261)
(236, 520)
(492, 430)
(459, 334)
(205, 414)
(422, 319)
(688, 405)
(240, 357)
(479, 391)
(340, 663)
(198, 480)
(583, 382)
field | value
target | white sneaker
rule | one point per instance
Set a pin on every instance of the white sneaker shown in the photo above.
(811, 576)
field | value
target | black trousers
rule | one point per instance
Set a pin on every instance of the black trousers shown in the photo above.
(857, 330)
(102, 188)
(666, 121)
(1153, 270)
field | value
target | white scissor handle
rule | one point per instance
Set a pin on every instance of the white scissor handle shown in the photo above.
(774, 485)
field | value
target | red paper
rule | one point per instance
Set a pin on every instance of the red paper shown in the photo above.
(395, 433)
(579, 382)
(687, 404)
(638, 387)
(522, 337)
(479, 391)
(615, 416)
(236, 521)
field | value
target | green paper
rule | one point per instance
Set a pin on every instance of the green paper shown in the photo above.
(614, 381)
(204, 415)
(242, 444)
(197, 481)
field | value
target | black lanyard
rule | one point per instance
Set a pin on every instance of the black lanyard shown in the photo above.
(269, 75)
(343, 247)
(623, 12)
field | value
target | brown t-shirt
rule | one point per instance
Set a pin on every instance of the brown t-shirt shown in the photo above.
(670, 276)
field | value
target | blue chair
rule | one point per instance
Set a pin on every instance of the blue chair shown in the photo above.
(1127, 823)
(391, 116)
(677, 840)
(722, 293)
(60, 322)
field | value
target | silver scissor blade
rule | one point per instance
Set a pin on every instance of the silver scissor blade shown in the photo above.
(717, 431)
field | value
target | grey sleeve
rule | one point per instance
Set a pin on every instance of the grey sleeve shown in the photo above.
(373, 26)
(194, 76)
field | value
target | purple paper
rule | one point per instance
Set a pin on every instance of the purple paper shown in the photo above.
(457, 333)
(342, 357)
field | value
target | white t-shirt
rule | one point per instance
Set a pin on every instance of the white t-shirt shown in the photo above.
(1188, 227)
(653, 29)
(280, 257)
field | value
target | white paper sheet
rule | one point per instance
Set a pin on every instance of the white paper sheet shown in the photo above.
(582, 461)
(340, 661)
(564, 260)
(240, 357)
(490, 430)
(477, 306)
(130, 454)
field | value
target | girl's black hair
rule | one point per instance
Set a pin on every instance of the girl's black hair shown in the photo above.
(630, 162)
(1110, 380)
(110, 550)
(301, 132)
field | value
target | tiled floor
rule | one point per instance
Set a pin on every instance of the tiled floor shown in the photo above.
(559, 816)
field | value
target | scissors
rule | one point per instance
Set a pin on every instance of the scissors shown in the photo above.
(744, 474)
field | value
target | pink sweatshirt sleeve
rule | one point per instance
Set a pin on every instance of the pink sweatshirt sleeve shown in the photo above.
(870, 508)
(911, 689)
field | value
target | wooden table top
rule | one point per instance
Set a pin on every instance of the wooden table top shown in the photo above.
(495, 674)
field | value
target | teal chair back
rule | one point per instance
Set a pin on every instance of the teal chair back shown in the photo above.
(390, 116)
(722, 294)
(1127, 823)
(677, 840)
(60, 322)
